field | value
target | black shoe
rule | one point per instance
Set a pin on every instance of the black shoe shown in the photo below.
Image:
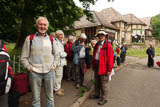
(102, 102)
(95, 96)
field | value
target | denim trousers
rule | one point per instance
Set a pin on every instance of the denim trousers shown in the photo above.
(36, 82)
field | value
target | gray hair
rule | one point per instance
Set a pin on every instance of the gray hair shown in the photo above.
(40, 18)
(58, 32)
(70, 37)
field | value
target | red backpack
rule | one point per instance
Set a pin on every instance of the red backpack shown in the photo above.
(21, 83)
(117, 50)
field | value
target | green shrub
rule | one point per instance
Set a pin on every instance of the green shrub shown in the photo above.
(10, 47)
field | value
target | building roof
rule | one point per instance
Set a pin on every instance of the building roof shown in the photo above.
(104, 21)
(111, 15)
(148, 22)
(106, 17)
(83, 22)
(132, 19)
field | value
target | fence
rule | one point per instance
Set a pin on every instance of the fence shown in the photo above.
(15, 63)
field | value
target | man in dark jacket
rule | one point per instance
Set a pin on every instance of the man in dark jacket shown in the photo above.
(123, 52)
(102, 63)
(81, 57)
(151, 54)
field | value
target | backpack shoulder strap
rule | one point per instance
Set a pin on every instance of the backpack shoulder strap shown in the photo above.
(30, 38)
(51, 39)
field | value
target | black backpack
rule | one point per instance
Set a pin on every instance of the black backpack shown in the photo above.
(5, 81)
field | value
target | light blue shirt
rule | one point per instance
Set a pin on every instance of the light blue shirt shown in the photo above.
(98, 52)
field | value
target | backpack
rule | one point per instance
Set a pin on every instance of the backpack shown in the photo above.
(21, 83)
(5, 80)
(32, 36)
(117, 50)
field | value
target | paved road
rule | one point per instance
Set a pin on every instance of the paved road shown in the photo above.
(135, 85)
(3, 101)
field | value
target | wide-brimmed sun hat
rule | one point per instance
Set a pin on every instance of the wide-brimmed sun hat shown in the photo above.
(101, 31)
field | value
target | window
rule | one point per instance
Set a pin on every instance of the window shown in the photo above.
(137, 36)
(90, 32)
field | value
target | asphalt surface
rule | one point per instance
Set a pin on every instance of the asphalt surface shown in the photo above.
(4, 101)
(135, 85)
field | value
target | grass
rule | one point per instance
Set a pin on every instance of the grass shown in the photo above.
(11, 50)
(141, 53)
(137, 52)
(82, 91)
(10, 47)
(135, 43)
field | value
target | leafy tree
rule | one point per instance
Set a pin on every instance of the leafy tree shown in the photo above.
(18, 16)
(10, 15)
(156, 26)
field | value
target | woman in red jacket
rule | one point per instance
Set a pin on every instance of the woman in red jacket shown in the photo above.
(68, 50)
(102, 64)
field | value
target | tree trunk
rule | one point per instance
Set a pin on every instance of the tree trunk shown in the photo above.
(27, 26)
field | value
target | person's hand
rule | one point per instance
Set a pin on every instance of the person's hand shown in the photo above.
(86, 46)
(53, 68)
(30, 70)
(108, 73)
(82, 44)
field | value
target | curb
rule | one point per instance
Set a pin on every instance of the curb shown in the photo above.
(81, 100)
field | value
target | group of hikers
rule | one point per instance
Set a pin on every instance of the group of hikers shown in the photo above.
(45, 56)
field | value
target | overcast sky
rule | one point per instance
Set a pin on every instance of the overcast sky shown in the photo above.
(140, 8)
